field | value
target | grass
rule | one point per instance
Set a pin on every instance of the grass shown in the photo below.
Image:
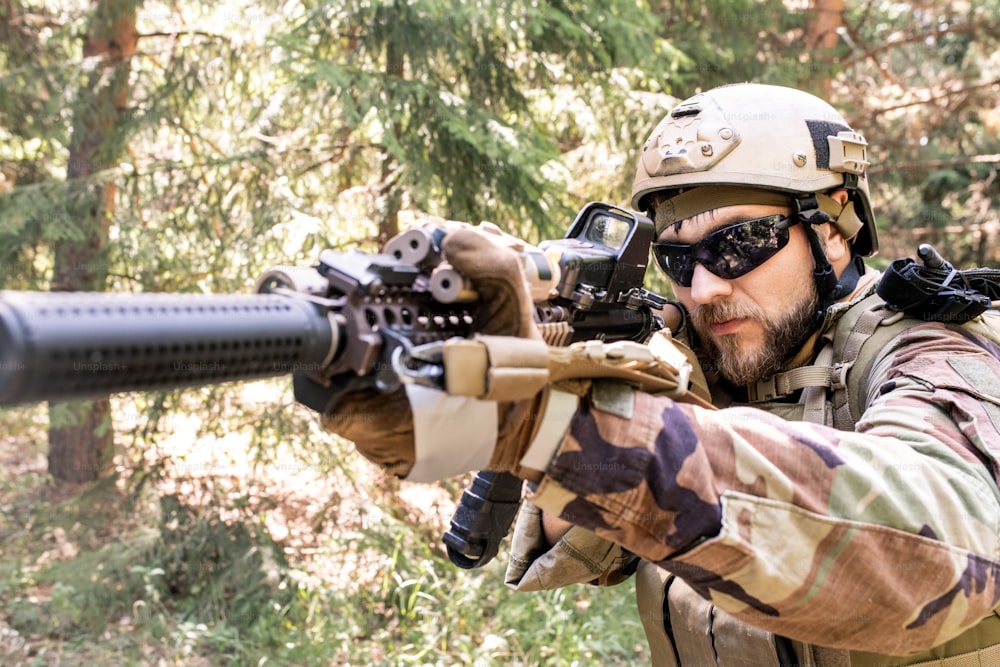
(265, 562)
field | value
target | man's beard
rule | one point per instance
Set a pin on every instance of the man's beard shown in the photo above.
(782, 337)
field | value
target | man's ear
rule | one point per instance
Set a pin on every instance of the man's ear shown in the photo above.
(840, 195)
(838, 250)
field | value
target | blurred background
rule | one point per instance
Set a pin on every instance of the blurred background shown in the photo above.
(186, 147)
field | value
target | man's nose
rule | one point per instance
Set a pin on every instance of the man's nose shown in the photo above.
(707, 287)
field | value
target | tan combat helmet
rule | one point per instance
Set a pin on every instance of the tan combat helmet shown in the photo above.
(755, 141)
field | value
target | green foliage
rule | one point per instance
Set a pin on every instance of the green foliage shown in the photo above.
(727, 41)
(453, 98)
(425, 611)
(920, 80)
(197, 575)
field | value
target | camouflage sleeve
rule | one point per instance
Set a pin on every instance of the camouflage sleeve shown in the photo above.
(886, 539)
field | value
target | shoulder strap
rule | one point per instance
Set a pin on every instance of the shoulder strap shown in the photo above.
(860, 337)
(843, 367)
(861, 349)
(857, 338)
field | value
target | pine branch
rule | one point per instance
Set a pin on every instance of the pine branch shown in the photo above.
(193, 136)
(936, 164)
(335, 156)
(865, 13)
(869, 53)
(176, 33)
(975, 228)
(30, 22)
(872, 51)
(934, 98)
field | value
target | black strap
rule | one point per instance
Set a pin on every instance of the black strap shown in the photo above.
(807, 210)
(935, 291)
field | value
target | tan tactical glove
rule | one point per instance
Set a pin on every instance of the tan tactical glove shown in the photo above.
(498, 275)
(381, 425)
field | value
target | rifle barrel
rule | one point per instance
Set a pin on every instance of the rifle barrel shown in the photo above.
(71, 345)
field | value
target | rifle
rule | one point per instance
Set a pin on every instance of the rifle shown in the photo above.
(353, 322)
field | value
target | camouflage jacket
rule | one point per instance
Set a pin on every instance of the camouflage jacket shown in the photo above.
(885, 539)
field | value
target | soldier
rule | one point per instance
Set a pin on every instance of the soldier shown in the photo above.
(840, 508)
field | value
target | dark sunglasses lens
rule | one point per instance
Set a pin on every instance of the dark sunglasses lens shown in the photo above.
(738, 250)
(676, 261)
(728, 253)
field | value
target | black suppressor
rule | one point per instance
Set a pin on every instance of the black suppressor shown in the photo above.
(68, 345)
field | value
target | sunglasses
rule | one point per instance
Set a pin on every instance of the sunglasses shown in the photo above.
(729, 252)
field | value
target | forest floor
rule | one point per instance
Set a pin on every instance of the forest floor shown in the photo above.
(213, 560)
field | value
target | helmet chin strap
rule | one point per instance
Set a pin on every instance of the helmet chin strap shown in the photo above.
(828, 287)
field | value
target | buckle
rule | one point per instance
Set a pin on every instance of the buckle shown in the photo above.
(838, 375)
(764, 390)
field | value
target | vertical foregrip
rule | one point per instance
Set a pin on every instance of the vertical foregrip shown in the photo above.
(59, 346)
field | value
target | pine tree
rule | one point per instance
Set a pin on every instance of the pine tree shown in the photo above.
(81, 436)
(466, 108)
(922, 78)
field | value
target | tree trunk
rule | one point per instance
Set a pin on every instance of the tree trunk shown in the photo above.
(826, 17)
(80, 433)
(391, 195)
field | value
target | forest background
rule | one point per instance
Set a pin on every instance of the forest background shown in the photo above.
(186, 147)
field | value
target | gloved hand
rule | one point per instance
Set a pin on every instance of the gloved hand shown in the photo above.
(498, 275)
(381, 425)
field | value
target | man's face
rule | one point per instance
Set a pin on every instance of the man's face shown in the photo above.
(750, 323)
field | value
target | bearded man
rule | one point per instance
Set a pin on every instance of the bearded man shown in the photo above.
(841, 506)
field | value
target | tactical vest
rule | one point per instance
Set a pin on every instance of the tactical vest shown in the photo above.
(685, 630)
